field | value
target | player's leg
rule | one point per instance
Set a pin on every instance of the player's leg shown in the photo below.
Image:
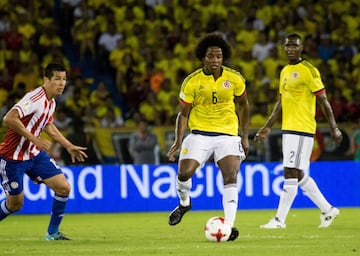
(12, 176)
(310, 188)
(193, 153)
(187, 168)
(46, 170)
(288, 194)
(296, 157)
(61, 187)
(11, 204)
(328, 212)
(230, 153)
(229, 167)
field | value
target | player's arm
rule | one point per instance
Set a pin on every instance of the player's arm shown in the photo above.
(76, 152)
(12, 121)
(264, 131)
(243, 112)
(329, 115)
(180, 129)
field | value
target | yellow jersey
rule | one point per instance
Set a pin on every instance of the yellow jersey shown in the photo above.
(213, 108)
(299, 85)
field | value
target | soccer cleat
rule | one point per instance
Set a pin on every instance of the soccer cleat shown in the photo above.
(234, 234)
(273, 223)
(56, 236)
(177, 214)
(327, 218)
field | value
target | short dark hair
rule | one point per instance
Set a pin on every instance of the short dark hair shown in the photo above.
(213, 39)
(294, 35)
(50, 68)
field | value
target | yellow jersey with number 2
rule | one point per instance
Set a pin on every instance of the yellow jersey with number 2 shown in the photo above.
(299, 85)
(213, 107)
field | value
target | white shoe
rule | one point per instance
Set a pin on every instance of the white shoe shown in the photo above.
(273, 223)
(327, 218)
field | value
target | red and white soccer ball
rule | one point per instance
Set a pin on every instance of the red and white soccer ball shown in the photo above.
(217, 229)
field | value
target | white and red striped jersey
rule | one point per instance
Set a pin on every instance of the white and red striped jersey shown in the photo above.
(36, 111)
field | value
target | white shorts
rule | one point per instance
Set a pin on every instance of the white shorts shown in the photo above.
(297, 151)
(201, 147)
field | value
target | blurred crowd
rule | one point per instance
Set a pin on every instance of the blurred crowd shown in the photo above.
(145, 48)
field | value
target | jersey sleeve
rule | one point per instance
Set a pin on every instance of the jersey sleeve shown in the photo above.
(241, 86)
(25, 107)
(315, 83)
(186, 92)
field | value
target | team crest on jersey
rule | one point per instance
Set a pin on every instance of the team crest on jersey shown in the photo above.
(184, 151)
(14, 185)
(295, 75)
(226, 84)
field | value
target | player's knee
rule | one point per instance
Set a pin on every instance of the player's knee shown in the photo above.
(184, 176)
(14, 205)
(292, 173)
(64, 190)
(229, 179)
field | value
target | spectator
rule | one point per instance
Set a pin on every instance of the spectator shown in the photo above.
(47, 40)
(262, 48)
(5, 22)
(98, 96)
(338, 104)
(259, 115)
(143, 144)
(151, 109)
(84, 36)
(57, 55)
(107, 42)
(353, 107)
(110, 120)
(26, 76)
(5, 54)
(326, 49)
(77, 102)
(26, 26)
(6, 80)
(81, 135)
(164, 98)
(26, 53)
(13, 38)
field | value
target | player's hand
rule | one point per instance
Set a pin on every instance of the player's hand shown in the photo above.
(43, 144)
(175, 148)
(336, 135)
(77, 153)
(262, 134)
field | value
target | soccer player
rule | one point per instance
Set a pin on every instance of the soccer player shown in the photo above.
(213, 100)
(300, 88)
(23, 151)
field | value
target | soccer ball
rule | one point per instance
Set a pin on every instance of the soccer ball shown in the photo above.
(217, 229)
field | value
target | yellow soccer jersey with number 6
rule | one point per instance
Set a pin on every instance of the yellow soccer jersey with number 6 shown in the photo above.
(299, 85)
(213, 108)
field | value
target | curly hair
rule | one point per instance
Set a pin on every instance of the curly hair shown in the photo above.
(213, 39)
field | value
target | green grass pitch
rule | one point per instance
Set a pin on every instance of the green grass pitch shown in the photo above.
(149, 234)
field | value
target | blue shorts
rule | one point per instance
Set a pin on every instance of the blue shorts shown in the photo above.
(38, 168)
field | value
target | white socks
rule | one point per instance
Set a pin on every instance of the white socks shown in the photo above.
(308, 185)
(287, 198)
(183, 191)
(230, 202)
